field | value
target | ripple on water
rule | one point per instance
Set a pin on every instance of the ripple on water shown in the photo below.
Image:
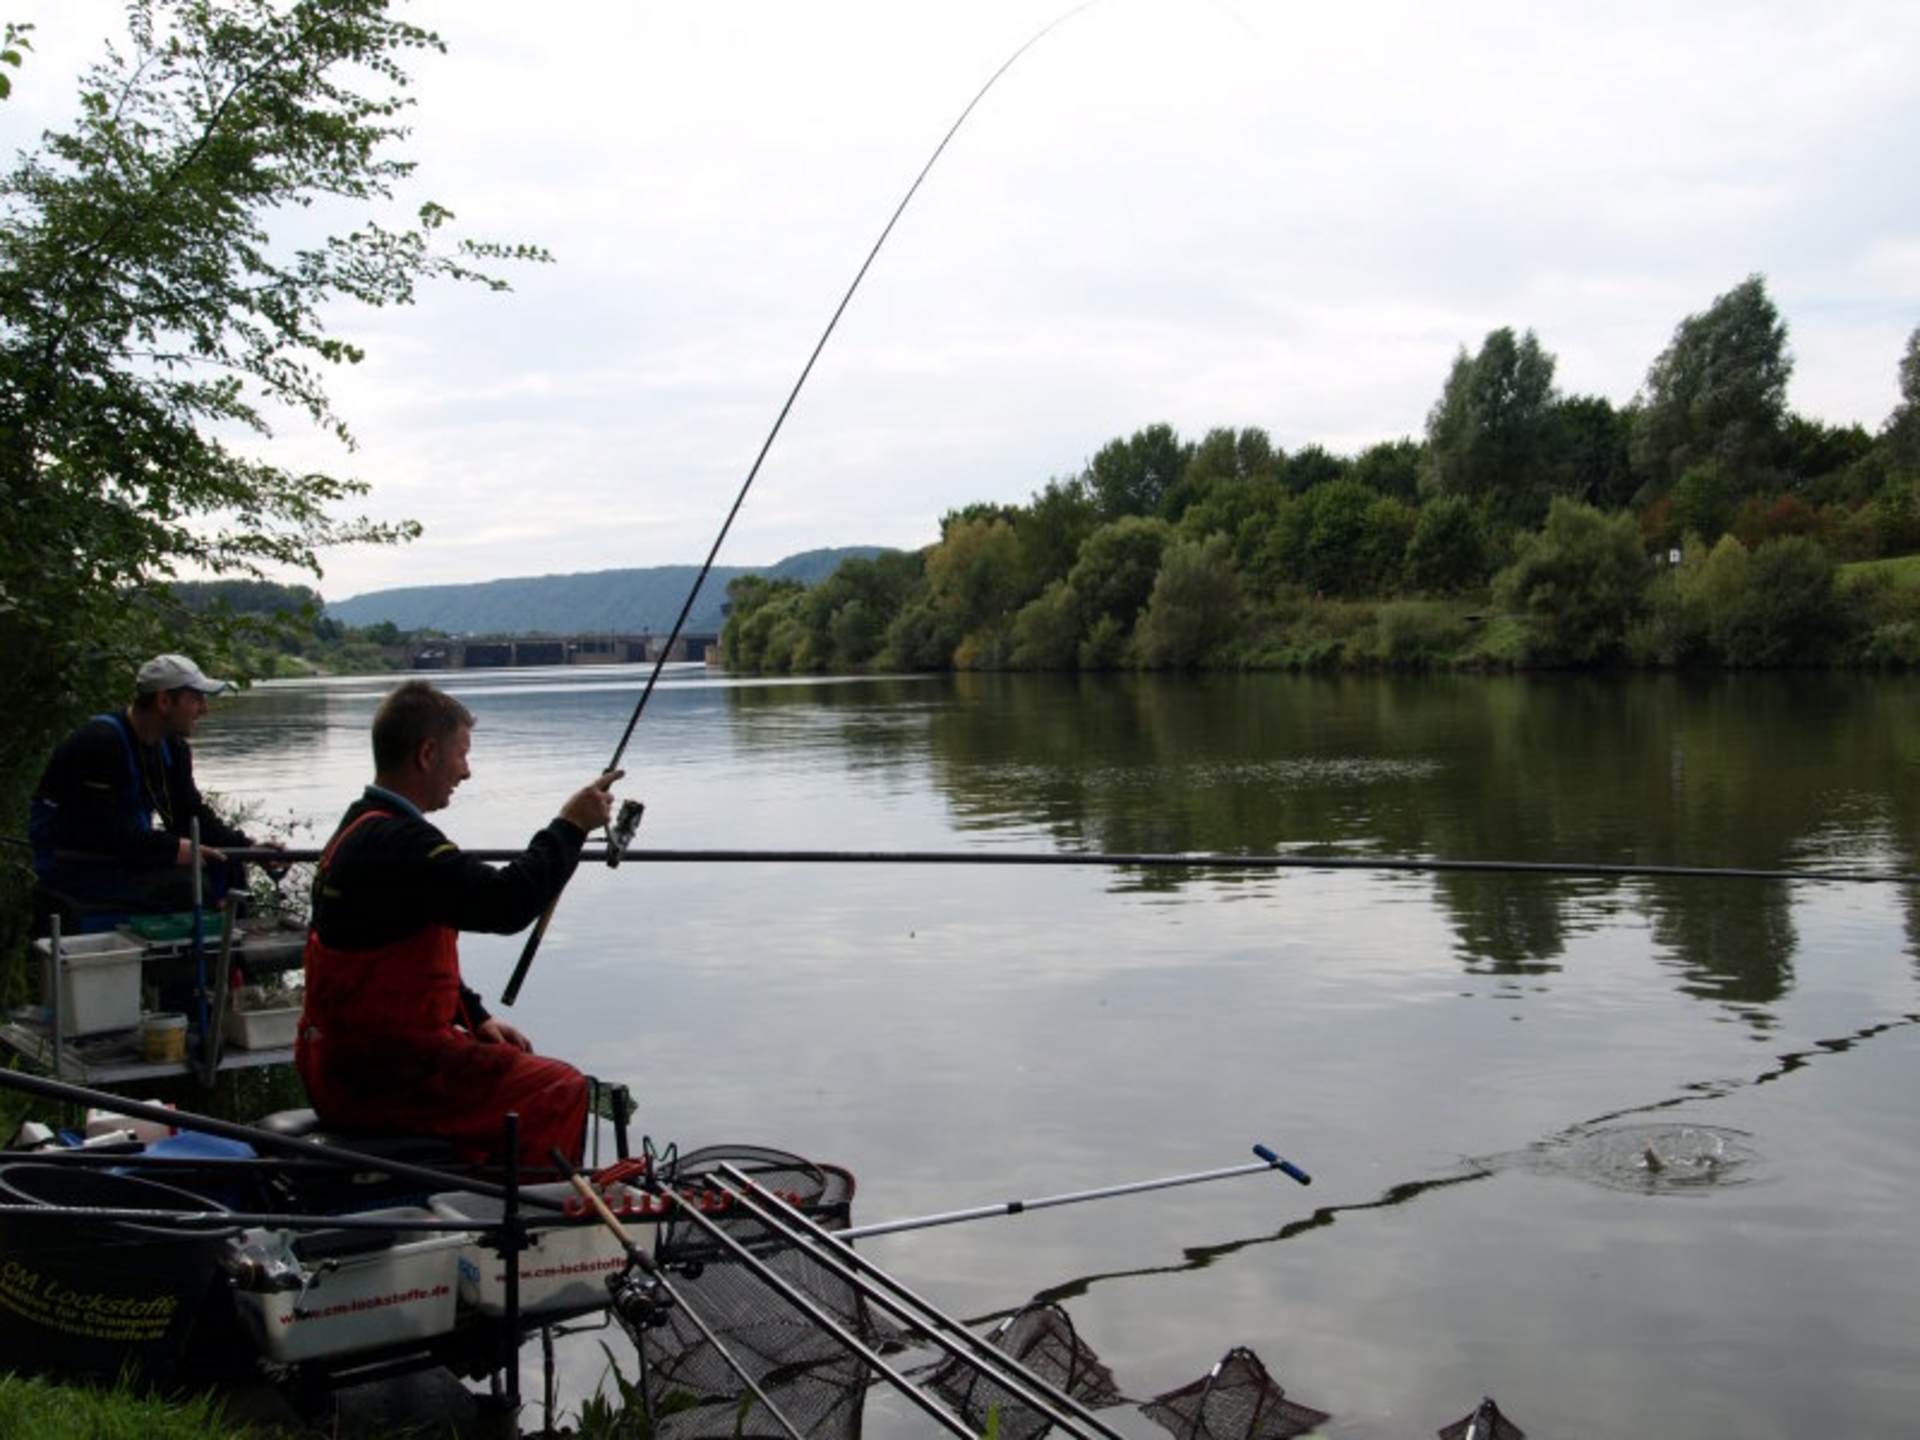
(1663, 1159)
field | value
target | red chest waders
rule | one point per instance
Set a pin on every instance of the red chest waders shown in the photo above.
(380, 1050)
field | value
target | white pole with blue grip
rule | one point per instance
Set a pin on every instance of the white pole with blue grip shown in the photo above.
(1268, 1161)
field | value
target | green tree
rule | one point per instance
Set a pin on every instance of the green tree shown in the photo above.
(1313, 465)
(1389, 530)
(1229, 505)
(1896, 517)
(973, 574)
(157, 316)
(1332, 557)
(1046, 632)
(755, 606)
(1902, 434)
(1777, 606)
(1115, 573)
(13, 44)
(1814, 455)
(1718, 392)
(1703, 500)
(921, 637)
(1448, 549)
(1133, 476)
(1581, 583)
(1223, 457)
(1392, 468)
(1589, 444)
(1270, 544)
(1050, 531)
(1194, 605)
(848, 612)
(1489, 434)
(1104, 645)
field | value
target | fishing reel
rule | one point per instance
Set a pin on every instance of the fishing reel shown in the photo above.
(641, 1301)
(621, 832)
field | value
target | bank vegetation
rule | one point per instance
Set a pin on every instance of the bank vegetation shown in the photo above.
(1703, 523)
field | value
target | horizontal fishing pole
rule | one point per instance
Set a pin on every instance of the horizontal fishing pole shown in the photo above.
(337, 1156)
(225, 1219)
(1185, 860)
(1268, 1161)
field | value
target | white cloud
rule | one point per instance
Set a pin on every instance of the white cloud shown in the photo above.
(1236, 214)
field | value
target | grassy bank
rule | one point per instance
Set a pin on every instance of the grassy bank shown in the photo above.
(45, 1411)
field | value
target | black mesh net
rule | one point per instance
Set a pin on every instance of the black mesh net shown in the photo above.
(1485, 1423)
(1237, 1400)
(817, 1383)
(1042, 1338)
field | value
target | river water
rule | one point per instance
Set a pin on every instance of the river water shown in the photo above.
(1474, 1068)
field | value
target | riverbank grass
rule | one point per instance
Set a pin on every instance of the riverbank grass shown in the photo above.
(47, 1411)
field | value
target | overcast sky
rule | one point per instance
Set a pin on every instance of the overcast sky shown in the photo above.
(1235, 213)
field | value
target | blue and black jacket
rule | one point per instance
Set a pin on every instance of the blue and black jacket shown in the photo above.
(106, 796)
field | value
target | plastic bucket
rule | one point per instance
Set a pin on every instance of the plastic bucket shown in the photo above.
(163, 1037)
(86, 1296)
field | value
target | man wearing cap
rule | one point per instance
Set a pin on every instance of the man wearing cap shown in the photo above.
(116, 804)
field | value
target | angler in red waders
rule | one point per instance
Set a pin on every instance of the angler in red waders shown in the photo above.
(391, 1040)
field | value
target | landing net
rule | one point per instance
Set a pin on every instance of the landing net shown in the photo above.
(1041, 1337)
(815, 1380)
(1237, 1400)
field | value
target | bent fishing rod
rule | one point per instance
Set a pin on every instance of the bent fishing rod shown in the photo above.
(1189, 860)
(629, 818)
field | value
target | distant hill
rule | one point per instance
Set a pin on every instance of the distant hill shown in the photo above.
(613, 600)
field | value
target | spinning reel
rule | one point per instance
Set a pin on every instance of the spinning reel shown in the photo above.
(621, 832)
(641, 1300)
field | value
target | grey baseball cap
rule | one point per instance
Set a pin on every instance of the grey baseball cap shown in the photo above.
(175, 672)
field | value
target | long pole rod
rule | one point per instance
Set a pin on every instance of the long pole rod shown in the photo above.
(337, 1156)
(829, 1250)
(223, 1219)
(1198, 860)
(1268, 1161)
(512, 992)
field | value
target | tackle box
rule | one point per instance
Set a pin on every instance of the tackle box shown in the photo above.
(365, 1289)
(268, 1029)
(99, 981)
(564, 1269)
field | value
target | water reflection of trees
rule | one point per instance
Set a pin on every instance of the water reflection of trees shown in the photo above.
(1729, 771)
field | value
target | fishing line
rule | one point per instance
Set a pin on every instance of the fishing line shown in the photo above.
(512, 992)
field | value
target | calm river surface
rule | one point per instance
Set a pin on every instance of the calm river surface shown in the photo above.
(1471, 1067)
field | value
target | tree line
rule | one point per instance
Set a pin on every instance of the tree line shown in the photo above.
(1524, 527)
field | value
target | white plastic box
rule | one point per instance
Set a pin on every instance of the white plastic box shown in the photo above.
(262, 1029)
(404, 1292)
(99, 982)
(564, 1269)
